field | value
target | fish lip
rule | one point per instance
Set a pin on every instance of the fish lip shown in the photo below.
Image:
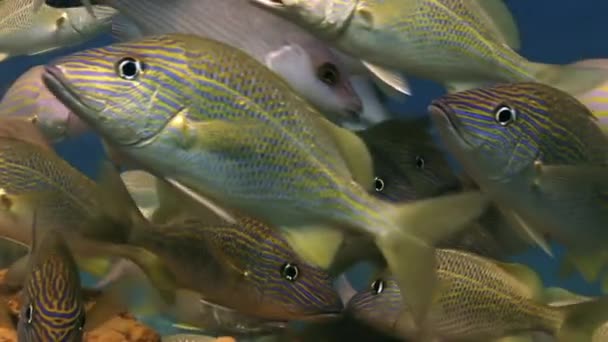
(53, 79)
(321, 316)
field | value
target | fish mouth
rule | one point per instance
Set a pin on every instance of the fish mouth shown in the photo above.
(449, 127)
(54, 80)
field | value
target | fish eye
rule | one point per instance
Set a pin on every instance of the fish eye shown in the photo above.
(29, 314)
(379, 184)
(504, 115)
(290, 272)
(328, 73)
(419, 162)
(129, 68)
(377, 286)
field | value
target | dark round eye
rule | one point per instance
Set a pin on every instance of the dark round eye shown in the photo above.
(419, 162)
(379, 184)
(29, 313)
(129, 68)
(504, 115)
(377, 286)
(290, 272)
(328, 74)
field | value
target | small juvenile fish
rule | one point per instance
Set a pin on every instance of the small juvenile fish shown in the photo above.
(460, 44)
(540, 155)
(29, 27)
(408, 164)
(52, 306)
(221, 127)
(479, 300)
(304, 61)
(29, 98)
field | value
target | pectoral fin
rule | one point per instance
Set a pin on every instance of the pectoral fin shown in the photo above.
(390, 78)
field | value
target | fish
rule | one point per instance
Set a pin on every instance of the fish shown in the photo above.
(596, 99)
(304, 61)
(296, 170)
(459, 44)
(29, 27)
(539, 154)
(29, 98)
(479, 299)
(408, 163)
(245, 266)
(52, 305)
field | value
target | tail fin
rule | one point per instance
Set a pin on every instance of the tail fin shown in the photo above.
(409, 252)
(583, 319)
(573, 79)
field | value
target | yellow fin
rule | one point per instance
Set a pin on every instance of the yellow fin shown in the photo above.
(526, 275)
(355, 153)
(573, 79)
(142, 188)
(589, 263)
(317, 245)
(526, 232)
(410, 253)
(582, 319)
(556, 296)
(501, 21)
(392, 79)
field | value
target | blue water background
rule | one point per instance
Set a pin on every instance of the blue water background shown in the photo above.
(564, 32)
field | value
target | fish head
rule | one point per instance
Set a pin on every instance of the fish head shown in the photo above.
(127, 92)
(81, 21)
(315, 72)
(509, 126)
(280, 284)
(326, 18)
(29, 98)
(52, 307)
(379, 306)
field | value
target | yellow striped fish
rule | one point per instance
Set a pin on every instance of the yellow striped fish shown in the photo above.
(52, 306)
(246, 266)
(221, 126)
(29, 98)
(479, 300)
(458, 43)
(539, 153)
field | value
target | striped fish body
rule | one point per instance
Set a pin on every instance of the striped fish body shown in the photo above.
(480, 300)
(68, 197)
(29, 98)
(52, 307)
(248, 267)
(28, 29)
(499, 133)
(214, 106)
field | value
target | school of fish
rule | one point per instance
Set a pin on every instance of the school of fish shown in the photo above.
(252, 160)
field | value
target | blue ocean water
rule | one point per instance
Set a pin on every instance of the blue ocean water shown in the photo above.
(564, 32)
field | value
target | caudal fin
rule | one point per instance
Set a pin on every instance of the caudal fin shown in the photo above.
(582, 320)
(409, 252)
(573, 79)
